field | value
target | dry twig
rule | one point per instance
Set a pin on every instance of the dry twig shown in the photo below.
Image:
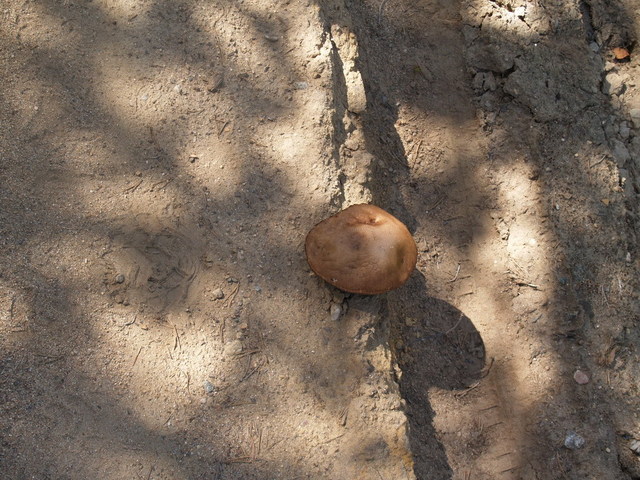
(133, 187)
(232, 296)
(604, 295)
(248, 352)
(332, 439)
(11, 307)
(223, 127)
(488, 368)
(380, 10)
(599, 161)
(454, 327)
(164, 183)
(136, 358)
(456, 276)
(176, 342)
(475, 385)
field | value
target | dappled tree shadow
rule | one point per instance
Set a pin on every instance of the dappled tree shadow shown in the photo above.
(224, 229)
(145, 264)
(546, 110)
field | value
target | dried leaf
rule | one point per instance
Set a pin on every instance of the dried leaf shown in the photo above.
(620, 53)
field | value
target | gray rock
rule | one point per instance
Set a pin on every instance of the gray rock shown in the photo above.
(490, 101)
(611, 128)
(490, 81)
(634, 146)
(209, 387)
(573, 441)
(624, 130)
(613, 84)
(635, 117)
(620, 152)
(478, 81)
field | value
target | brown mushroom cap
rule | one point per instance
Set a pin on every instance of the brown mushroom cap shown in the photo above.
(362, 249)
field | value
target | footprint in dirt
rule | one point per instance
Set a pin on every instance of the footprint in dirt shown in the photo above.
(153, 268)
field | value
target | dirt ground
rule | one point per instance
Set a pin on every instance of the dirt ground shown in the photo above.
(162, 161)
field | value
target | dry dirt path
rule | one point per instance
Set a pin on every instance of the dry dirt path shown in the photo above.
(162, 161)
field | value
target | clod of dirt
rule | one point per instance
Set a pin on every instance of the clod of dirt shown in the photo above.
(362, 249)
(232, 348)
(218, 294)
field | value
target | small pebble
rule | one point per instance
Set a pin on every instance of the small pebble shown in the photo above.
(120, 278)
(301, 85)
(218, 294)
(580, 377)
(573, 441)
(624, 130)
(336, 311)
(209, 387)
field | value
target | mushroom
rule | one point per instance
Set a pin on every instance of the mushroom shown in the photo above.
(362, 249)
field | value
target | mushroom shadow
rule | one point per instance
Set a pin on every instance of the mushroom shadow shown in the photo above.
(435, 346)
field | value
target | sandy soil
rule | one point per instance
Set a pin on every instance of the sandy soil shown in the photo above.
(162, 161)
